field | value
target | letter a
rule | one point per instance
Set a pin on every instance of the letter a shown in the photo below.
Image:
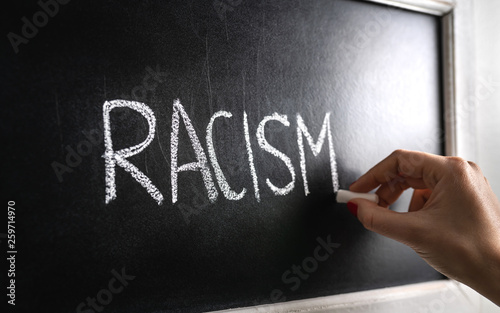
(201, 164)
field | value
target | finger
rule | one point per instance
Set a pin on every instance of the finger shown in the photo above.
(416, 183)
(419, 198)
(398, 226)
(409, 164)
(390, 192)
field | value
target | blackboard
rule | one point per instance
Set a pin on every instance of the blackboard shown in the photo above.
(363, 77)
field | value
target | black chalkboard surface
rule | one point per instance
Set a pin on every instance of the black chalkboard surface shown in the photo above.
(153, 148)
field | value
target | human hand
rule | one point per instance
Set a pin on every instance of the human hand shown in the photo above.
(453, 221)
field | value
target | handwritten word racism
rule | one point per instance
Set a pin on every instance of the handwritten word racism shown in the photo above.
(118, 159)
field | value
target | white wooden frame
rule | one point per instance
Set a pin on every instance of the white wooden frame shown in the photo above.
(458, 84)
(434, 7)
(432, 297)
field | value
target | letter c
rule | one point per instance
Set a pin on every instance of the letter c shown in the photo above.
(221, 179)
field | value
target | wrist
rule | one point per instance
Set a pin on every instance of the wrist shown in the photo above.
(496, 275)
(489, 284)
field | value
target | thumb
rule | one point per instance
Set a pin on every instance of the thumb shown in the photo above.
(402, 227)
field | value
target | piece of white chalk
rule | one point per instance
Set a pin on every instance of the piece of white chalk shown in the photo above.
(344, 196)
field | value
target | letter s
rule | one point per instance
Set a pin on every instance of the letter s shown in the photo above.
(264, 145)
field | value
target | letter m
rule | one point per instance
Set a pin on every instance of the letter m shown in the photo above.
(302, 131)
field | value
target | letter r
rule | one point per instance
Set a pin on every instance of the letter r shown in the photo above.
(113, 158)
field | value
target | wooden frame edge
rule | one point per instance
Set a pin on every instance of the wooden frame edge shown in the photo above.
(448, 70)
(424, 297)
(434, 7)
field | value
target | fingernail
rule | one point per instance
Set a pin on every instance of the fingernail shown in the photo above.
(353, 208)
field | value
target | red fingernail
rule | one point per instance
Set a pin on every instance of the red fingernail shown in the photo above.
(353, 208)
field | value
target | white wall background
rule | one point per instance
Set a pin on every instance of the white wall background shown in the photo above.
(486, 35)
(487, 59)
